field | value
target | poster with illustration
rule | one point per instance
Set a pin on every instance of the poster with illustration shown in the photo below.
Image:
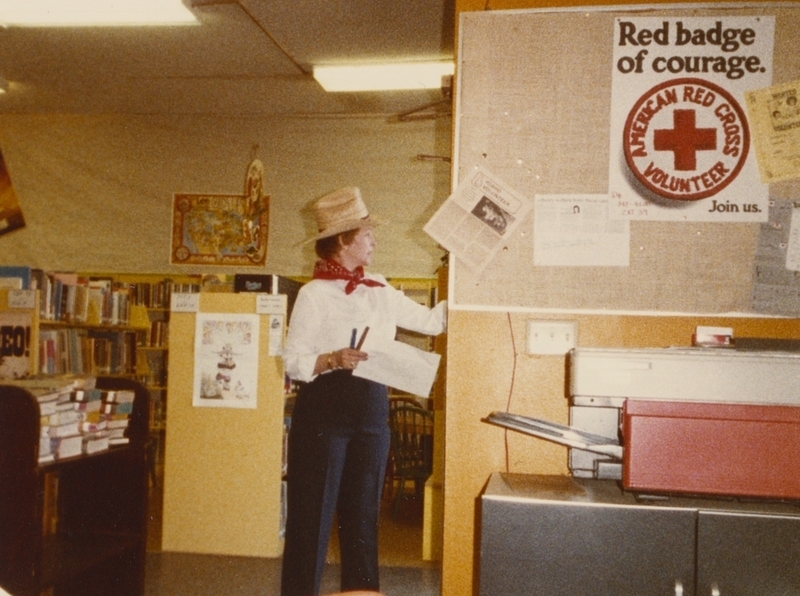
(10, 211)
(680, 137)
(221, 229)
(226, 361)
(16, 359)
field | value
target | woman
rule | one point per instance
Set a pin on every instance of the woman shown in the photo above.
(339, 438)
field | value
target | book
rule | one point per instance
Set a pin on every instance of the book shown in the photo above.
(62, 406)
(95, 442)
(92, 417)
(58, 301)
(62, 418)
(98, 309)
(93, 427)
(87, 407)
(67, 446)
(119, 396)
(20, 274)
(45, 448)
(87, 395)
(75, 299)
(46, 457)
(65, 430)
(47, 408)
(116, 433)
(117, 409)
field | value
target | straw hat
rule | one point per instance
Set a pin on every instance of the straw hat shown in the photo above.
(341, 211)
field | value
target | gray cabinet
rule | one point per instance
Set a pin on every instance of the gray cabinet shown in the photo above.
(563, 536)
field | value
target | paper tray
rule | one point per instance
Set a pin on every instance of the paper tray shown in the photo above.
(556, 433)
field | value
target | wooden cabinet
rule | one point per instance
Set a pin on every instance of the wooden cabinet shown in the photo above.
(562, 536)
(75, 526)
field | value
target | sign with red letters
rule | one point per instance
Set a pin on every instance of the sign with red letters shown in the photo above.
(680, 139)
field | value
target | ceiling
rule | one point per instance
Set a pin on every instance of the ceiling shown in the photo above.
(248, 57)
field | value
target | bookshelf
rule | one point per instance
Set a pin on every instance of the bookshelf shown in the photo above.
(89, 323)
(149, 298)
(73, 526)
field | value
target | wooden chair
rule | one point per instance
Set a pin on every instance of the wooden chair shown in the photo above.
(395, 402)
(411, 449)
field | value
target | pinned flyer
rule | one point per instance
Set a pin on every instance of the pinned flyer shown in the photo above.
(479, 218)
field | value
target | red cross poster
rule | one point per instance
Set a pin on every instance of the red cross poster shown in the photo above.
(680, 138)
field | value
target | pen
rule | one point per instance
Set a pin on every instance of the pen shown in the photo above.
(363, 337)
(353, 338)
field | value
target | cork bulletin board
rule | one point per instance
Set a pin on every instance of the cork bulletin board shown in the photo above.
(534, 107)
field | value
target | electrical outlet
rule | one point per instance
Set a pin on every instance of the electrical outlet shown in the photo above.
(551, 337)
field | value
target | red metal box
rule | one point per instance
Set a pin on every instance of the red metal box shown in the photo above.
(711, 448)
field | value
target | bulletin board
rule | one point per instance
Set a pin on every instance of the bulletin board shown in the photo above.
(533, 107)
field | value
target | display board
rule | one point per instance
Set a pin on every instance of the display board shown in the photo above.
(222, 465)
(537, 92)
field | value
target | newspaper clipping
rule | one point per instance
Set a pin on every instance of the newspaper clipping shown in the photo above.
(478, 219)
(775, 116)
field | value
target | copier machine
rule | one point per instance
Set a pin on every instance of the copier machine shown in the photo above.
(672, 420)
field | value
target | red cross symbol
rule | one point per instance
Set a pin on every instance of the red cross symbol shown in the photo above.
(685, 140)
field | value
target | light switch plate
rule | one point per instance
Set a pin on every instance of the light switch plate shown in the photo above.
(546, 337)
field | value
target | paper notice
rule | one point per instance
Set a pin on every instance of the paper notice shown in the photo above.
(575, 230)
(478, 219)
(775, 120)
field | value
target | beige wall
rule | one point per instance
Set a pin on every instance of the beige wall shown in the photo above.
(488, 370)
(96, 191)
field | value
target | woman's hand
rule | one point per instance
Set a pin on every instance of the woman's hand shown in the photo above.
(347, 358)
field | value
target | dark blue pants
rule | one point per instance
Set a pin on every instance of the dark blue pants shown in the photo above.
(338, 444)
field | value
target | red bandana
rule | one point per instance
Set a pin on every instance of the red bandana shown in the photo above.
(330, 269)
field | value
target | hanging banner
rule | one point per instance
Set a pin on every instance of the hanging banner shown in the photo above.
(680, 139)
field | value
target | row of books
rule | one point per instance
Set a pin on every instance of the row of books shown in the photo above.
(96, 300)
(78, 418)
(73, 298)
(82, 351)
(158, 295)
(159, 330)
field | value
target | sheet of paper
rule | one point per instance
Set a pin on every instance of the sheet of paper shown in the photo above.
(793, 247)
(276, 333)
(478, 219)
(575, 230)
(399, 365)
(775, 285)
(775, 121)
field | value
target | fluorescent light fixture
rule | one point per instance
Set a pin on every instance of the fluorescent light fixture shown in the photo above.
(383, 77)
(88, 13)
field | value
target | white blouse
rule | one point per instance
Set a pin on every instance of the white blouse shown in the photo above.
(324, 317)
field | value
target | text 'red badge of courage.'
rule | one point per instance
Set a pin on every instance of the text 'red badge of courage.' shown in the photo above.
(686, 139)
